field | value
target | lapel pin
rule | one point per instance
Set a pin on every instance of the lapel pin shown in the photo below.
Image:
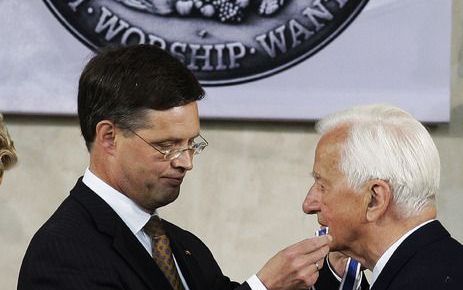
(188, 253)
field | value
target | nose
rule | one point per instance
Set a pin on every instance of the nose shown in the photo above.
(311, 204)
(184, 161)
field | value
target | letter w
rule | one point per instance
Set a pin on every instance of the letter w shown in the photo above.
(279, 41)
(110, 24)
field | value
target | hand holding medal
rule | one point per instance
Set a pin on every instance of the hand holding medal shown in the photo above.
(351, 276)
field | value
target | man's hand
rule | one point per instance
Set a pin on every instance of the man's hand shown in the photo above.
(295, 267)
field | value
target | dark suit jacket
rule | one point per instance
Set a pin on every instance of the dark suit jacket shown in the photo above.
(429, 259)
(85, 245)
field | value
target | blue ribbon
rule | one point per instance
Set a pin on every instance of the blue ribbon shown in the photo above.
(349, 282)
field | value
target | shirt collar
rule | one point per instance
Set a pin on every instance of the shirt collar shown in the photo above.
(133, 215)
(388, 254)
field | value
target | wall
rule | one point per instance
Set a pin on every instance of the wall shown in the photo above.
(243, 198)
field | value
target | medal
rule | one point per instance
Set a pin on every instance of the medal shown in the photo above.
(352, 277)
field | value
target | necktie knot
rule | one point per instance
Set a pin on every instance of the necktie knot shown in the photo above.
(154, 227)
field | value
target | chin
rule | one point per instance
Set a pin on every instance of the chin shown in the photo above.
(338, 247)
(170, 196)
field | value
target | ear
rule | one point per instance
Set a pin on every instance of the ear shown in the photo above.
(105, 136)
(379, 199)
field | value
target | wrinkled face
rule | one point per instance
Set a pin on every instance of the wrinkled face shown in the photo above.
(141, 172)
(336, 205)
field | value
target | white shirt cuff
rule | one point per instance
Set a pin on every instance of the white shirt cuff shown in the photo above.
(255, 283)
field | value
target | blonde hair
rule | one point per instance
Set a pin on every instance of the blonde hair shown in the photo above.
(8, 156)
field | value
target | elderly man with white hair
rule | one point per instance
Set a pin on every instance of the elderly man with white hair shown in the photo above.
(376, 176)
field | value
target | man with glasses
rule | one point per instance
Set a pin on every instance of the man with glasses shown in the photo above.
(139, 118)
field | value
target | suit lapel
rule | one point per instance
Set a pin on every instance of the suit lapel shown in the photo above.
(186, 260)
(423, 236)
(140, 261)
(124, 241)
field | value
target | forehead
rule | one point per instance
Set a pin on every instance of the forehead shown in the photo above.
(328, 153)
(177, 122)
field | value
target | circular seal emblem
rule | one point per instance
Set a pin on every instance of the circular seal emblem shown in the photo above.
(222, 41)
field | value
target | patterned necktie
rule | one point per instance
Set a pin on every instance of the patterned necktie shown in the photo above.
(162, 253)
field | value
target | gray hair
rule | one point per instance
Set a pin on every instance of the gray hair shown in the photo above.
(387, 143)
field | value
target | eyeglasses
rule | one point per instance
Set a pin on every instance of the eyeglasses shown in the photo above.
(197, 146)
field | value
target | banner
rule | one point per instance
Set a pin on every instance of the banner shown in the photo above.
(258, 59)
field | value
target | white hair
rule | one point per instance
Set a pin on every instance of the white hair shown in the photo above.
(387, 143)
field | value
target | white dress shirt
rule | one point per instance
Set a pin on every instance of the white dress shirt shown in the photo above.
(131, 214)
(390, 251)
(136, 218)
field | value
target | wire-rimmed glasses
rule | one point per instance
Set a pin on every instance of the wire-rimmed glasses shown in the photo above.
(197, 146)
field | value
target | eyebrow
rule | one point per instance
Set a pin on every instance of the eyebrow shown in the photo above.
(173, 139)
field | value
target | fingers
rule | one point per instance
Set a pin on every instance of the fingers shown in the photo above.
(314, 249)
(307, 276)
(317, 255)
(311, 244)
(297, 266)
(320, 263)
(307, 252)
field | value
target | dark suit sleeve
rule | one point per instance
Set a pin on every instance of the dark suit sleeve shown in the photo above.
(200, 267)
(219, 280)
(55, 263)
(243, 286)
